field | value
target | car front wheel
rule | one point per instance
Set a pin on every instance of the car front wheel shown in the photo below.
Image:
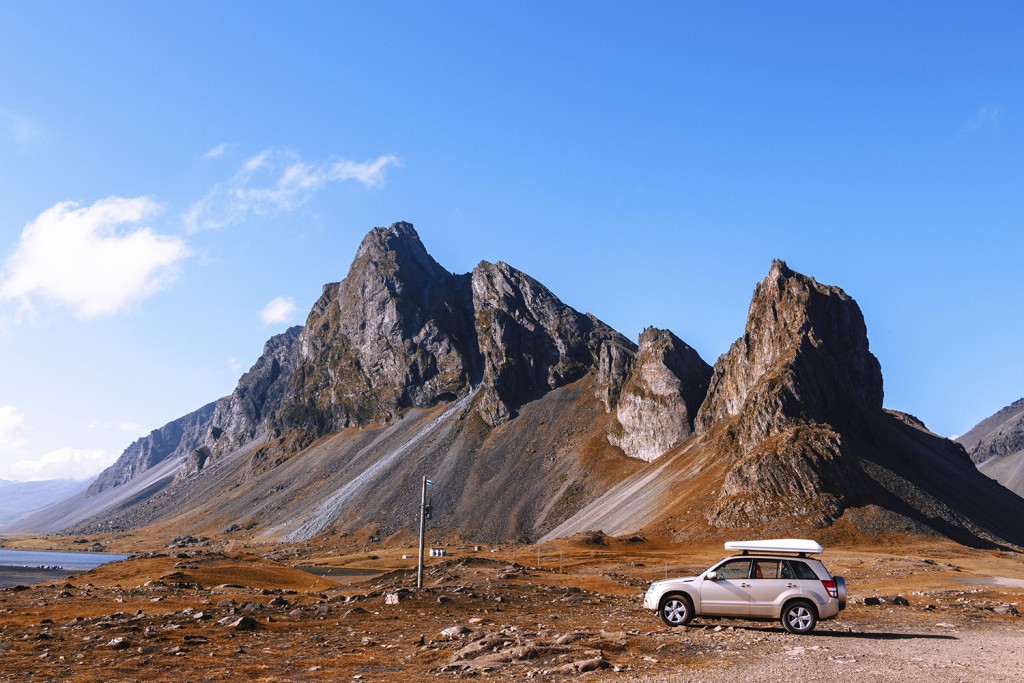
(799, 617)
(676, 610)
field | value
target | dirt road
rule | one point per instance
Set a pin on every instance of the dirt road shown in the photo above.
(976, 652)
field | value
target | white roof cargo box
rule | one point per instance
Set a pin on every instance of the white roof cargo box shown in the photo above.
(777, 545)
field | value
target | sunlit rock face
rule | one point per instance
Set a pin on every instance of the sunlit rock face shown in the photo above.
(996, 446)
(530, 342)
(659, 400)
(1000, 435)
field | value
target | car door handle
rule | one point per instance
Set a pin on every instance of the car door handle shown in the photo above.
(744, 585)
(791, 585)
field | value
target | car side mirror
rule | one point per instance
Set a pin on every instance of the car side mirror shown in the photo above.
(711, 576)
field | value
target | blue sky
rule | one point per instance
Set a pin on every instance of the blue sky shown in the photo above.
(178, 180)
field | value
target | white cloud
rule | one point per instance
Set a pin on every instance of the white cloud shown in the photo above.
(216, 152)
(278, 310)
(274, 181)
(85, 257)
(21, 129)
(986, 118)
(125, 426)
(63, 463)
(12, 432)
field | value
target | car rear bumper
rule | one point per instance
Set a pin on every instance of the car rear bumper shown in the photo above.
(828, 610)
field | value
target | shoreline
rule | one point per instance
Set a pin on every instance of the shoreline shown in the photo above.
(26, 576)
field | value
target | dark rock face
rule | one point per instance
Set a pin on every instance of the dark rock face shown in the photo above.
(614, 362)
(175, 439)
(658, 402)
(787, 389)
(531, 342)
(397, 332)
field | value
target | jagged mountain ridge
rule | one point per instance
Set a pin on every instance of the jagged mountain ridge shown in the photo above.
(529, 415)
(398, 334)
(792, 437)
(799, 377)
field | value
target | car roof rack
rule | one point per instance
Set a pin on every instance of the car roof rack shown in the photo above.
(801, 546)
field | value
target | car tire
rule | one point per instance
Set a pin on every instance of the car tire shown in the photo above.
(799, 617)
(840, 591)
(676, 609)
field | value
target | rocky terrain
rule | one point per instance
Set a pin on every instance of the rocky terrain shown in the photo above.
(211, 611)
(996, 444)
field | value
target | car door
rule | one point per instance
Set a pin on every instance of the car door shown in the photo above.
(728, 594)
(770, 580)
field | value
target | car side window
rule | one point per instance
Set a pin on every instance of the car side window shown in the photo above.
(766, 569)
(802, 571)
(735, 569)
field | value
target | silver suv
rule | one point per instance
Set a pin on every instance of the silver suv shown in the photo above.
(769, 580)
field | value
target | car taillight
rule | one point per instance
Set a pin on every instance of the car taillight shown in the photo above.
(830, 588)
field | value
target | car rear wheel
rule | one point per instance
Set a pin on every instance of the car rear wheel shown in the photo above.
(799, 617)
(676, 610)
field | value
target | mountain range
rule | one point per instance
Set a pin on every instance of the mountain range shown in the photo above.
(536, 421)
(21, 498)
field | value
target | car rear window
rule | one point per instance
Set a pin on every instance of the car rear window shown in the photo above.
(801, 570)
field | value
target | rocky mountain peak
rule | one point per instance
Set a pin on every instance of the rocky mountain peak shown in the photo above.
(784, 394)
(659, 400)
(396, 332)
(803, 355)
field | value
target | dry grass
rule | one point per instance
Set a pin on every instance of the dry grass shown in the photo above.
(585, 591)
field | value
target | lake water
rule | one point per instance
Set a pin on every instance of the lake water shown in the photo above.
(78, 562)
